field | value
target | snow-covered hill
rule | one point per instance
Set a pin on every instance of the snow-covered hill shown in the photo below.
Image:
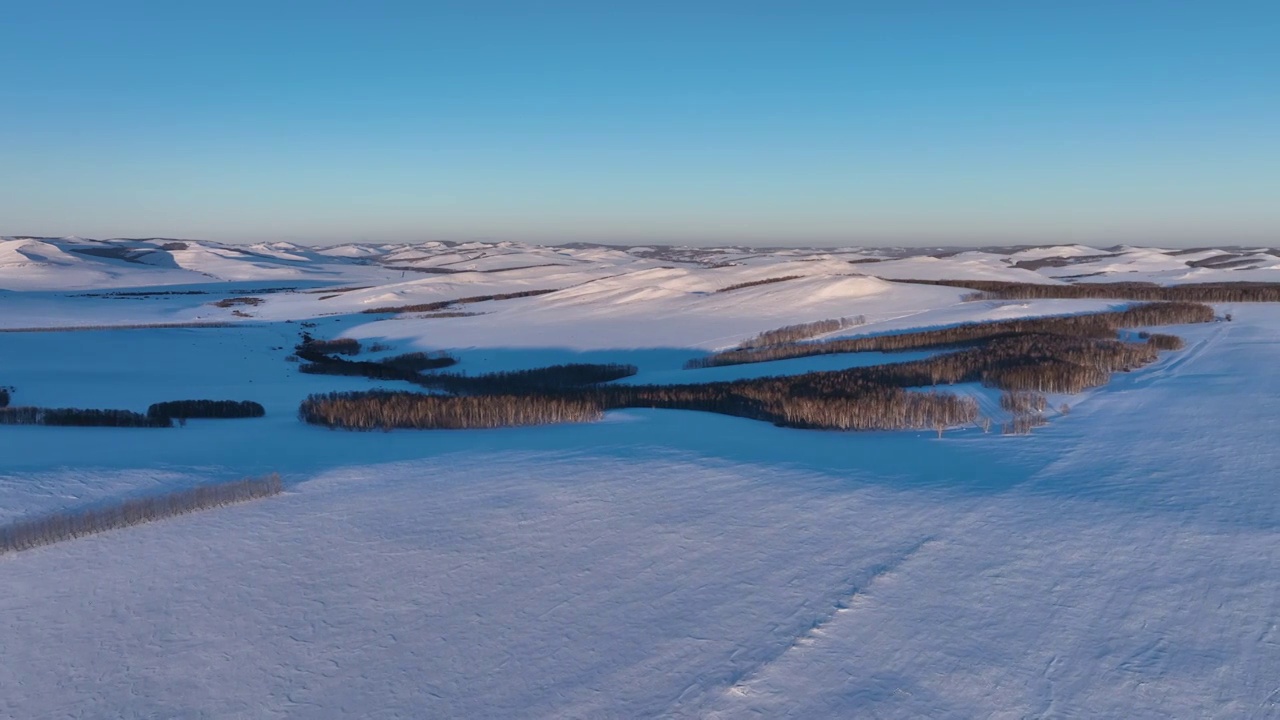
(1119, 562)
(77, 263)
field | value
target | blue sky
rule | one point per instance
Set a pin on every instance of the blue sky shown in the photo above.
(893, 122)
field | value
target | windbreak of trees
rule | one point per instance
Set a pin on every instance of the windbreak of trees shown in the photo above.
(1191, 292)
(1102, 324)
(553, 377)
(442, 304)
(753, 283)
(234, 301)
(27, 534)
(322, 358)
(76, 417)
(136, 326)
(419, 361)
(191, 409)
(410, 367)
(388, 410)
(19, 416)
(401, 367)
(319, 348)
(889, 408)
(803, 331)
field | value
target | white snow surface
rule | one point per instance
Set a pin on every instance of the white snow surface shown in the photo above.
(1123, 561)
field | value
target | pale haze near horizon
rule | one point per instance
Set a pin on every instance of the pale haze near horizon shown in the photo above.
(813, 124)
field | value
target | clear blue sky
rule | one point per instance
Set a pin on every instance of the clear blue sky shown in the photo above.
(891, 122)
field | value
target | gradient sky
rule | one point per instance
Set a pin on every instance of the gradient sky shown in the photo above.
(782, 123)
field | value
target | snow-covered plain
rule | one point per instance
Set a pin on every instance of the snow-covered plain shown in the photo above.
(1123, 561)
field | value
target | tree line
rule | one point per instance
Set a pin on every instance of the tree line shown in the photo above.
(408, 366)
(1190, 292)
(878, 408)
(27, 534)
(553, 377)
(380, 409)
(754, 283)
(192, 409)
(135, 326)
(1100, 324)
(311, 347)
(784, 335)
(78, 417)
(234, 301)
(443, 304)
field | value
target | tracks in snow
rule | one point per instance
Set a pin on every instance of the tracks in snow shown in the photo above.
(738, 682)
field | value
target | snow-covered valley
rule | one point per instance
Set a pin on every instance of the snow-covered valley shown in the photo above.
(1121, 561)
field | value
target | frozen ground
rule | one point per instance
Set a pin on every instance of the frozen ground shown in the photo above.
(1123, 561)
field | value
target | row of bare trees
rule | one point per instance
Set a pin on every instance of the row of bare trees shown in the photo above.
(443, 304)
(188, 409)
(400, 367)
(779, 336)
(754, 283)
(377, 409)
(323, 358)
(338, 346)
(1100, 324)
(78, 417)
(883, 408)
(553, 377)
(1190, 292)
(27, 534)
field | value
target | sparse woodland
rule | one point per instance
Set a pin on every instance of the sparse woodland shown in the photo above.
(27, 534)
